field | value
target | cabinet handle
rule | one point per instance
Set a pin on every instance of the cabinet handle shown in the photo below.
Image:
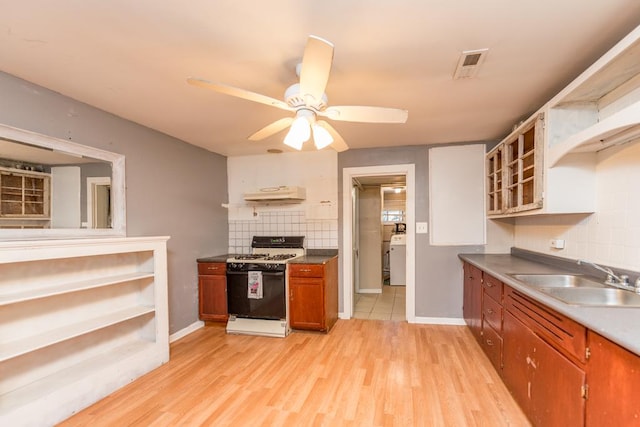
(489, 342)
(305, 270)
(212, 268)
(489, 284)
(490, 311)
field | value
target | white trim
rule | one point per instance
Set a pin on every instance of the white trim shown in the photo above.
(439, 321)
(91, 183)
(348, 174)
(118, 189)
(186, 331)
(369, 291)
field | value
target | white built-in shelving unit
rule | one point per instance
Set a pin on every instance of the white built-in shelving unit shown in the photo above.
(78, 319)
(600, 109)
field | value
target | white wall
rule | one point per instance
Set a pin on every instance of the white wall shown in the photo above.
(65, 197)
(316, 171)
(611, 236)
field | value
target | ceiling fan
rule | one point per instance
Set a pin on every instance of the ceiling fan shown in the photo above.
(308, 100)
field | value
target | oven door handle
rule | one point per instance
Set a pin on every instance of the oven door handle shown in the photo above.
(264, 273)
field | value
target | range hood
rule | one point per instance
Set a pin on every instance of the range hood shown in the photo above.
(276, 193)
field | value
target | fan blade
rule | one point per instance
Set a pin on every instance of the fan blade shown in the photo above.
(272, 129)
(353, 113)
(316, 65)
(338, 143)
(239, 93)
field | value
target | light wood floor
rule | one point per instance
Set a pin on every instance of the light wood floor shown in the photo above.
(363, 373)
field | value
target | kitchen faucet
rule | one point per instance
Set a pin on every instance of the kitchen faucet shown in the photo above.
(614, 280)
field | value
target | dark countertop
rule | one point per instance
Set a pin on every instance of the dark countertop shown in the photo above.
(316, 256)
(312, 259)
(620, 325)
(216, 258)
(313, 256)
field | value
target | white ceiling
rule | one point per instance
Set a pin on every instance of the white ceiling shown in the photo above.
(131, 58)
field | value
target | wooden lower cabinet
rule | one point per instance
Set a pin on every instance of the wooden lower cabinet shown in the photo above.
(313, 295)
(548, 387)
(492, 331)
(559, 372)
(212, 291)
(472, 300)
(613, 375)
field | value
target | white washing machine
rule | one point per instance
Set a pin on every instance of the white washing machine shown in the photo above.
(398, 260)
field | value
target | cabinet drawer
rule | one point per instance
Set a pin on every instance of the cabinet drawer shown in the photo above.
(208, 268)
(493, 287)
(492, 345)
(306, 270)
(564, 334)
(492, 313)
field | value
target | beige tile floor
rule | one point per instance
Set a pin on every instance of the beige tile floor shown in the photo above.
(389, 305)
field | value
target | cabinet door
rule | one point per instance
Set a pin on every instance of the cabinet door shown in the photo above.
(614, 384)
(23, 195)
(472, 299)
(517, 340)
(494, 181)
(213, 297)
(548, 386)
(306, 303)
(523, 168)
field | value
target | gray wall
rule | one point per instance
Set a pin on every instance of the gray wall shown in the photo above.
(173, 188)
(438, 269)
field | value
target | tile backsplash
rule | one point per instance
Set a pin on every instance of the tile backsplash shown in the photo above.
(319, 234)
(611, 235)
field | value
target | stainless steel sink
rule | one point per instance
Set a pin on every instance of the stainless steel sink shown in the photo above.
(603, 296)
(557, 281)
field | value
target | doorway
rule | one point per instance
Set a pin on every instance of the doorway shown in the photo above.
(350, 232)
(99, 202)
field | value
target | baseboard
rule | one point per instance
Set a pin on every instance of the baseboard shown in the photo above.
(186, 331)
(439, 321)
(426, 320)
(369, 291)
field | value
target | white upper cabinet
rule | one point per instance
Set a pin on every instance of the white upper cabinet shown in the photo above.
(598, 110)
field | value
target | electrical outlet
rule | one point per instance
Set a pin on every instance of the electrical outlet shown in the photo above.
(422, 228)
(557, 243)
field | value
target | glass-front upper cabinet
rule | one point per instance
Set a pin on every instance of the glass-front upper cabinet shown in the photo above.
(494, 180)
(514, 170)
(24, 196)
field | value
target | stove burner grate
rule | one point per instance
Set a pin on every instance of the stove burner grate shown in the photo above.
(250, 256)
(279, 257)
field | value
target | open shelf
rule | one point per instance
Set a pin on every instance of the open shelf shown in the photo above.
(31, 294)
(79, 318)
(35, 342)
(601, 107)
(72, 374)
(619, 128)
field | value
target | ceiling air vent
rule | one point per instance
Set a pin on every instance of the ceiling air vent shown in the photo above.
(469, 63)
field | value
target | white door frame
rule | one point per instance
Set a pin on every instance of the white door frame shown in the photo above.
(408, 170)
(91, 184)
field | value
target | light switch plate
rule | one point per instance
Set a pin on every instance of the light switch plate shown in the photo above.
(422, 228)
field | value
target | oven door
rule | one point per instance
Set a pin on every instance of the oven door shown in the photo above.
(272, 305)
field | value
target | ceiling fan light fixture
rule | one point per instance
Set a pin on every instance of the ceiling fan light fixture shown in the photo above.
(299, 133)
(321, 137)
